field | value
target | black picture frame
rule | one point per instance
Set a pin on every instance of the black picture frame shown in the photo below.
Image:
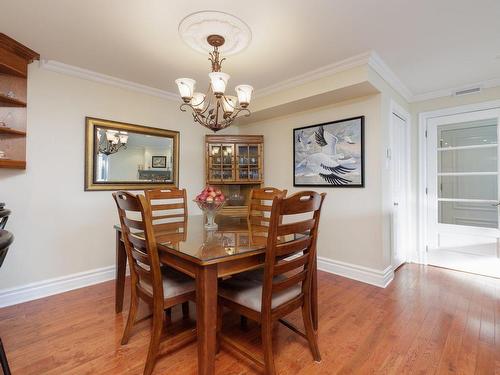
(331, 178)
(158, 162)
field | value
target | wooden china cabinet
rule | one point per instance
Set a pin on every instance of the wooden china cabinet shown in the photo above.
(14, 60)
(235, 164)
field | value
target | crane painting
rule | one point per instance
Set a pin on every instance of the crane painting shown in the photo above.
(330, 154)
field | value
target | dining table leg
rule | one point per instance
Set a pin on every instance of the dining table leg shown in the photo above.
(206, 318)
(121, 266)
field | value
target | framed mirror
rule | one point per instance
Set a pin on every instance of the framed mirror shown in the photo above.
(121, 156)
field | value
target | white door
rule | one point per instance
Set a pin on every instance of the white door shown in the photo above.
(400, 174)
(462, 183)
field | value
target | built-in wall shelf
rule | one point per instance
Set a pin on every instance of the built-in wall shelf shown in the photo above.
(6, 101)
(9, 131)
(14, 60)
(7, 69)
(12, 164)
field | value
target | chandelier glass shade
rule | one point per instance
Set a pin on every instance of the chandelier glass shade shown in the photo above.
(110, 141)
(213, 109)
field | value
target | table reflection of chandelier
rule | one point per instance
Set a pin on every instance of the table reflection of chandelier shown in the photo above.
(111, 141)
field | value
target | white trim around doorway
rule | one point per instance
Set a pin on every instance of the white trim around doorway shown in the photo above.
(403, 114)
(423, 119)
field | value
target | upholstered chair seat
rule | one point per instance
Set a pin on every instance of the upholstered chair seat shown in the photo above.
(246, 290)
(174, 283)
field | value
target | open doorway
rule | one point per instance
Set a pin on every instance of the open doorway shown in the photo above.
(462, 191)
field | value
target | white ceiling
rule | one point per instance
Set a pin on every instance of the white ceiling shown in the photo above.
(429, 44)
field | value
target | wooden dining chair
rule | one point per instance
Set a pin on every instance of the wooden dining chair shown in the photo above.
(286, 284)
(259, 211)
(168, 208)
(169, 213)
(160, 288)
(6, 239)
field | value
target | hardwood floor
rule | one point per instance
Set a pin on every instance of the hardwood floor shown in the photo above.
(429, 320)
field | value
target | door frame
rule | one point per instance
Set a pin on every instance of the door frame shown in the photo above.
(422, 203)
(403, 114)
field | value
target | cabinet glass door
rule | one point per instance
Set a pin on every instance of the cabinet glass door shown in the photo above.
(242, 162)
(221, 162)
(227, 162)
(248, 162)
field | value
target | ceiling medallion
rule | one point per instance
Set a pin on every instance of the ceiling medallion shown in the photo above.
(215, 32)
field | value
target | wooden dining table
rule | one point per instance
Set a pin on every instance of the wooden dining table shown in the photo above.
(205, 255)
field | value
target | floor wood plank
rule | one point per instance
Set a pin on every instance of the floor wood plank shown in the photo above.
(428, 321)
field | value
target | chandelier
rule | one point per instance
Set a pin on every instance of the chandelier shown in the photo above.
(214, 109)
(111, 141)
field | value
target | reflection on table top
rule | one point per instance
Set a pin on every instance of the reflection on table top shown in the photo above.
(232, 239)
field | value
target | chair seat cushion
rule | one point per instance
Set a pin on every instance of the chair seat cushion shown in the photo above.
(247, 291)
(175, 283)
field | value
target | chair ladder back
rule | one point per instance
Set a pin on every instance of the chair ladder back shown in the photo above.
(291, 246)
(140, 243)
(168, 207)
(259, 210)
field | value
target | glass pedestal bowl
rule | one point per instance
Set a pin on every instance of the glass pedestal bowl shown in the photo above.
(210, 210)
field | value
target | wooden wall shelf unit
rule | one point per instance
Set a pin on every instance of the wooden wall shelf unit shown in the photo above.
(14, 60)
(9, 131)
(235, 164)
(12, 164)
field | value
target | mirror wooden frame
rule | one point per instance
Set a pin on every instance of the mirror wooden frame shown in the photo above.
(90, 143)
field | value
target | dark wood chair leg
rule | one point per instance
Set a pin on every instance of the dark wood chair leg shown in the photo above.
(168, 316)
(154, 343)
(267, 345)
(220, 311)
(243, 322)
(3, 360)
(121, 268)
(185, 310)
(310, 331)
(314, 296)
(132, 313)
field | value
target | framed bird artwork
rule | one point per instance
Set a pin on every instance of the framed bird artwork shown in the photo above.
(330, 154)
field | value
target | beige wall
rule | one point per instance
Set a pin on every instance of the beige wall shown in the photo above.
(351, 222)
(60, 229)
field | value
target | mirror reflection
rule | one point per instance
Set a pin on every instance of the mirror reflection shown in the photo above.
(123, 156)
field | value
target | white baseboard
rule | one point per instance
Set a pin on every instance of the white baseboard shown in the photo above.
(56, 285)
(352, 271)
(45, 288)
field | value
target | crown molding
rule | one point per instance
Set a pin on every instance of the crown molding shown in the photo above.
(71, 70)
(490, 83)
(383, 70)
(325, 71)
(370, 58)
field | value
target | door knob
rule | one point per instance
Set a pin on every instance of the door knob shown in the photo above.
(397, 204)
